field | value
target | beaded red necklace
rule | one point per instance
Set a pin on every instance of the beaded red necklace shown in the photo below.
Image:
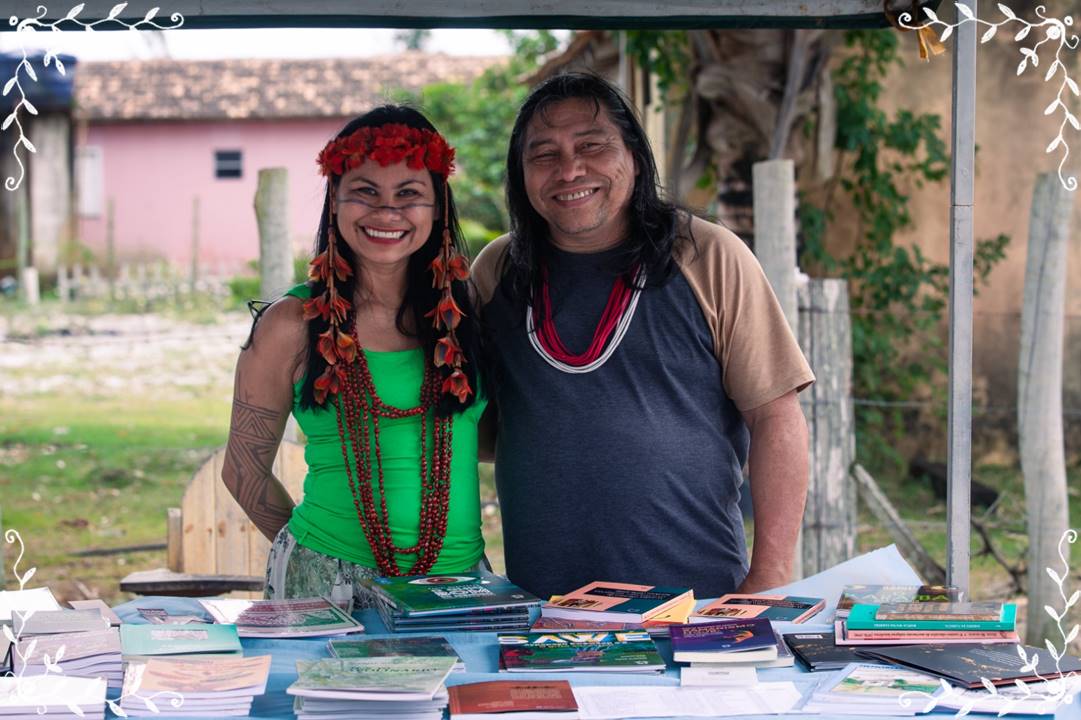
(360, 408)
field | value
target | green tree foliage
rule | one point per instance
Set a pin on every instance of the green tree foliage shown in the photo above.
(897, 294)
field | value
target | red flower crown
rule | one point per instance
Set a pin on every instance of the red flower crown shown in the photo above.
(388, 145)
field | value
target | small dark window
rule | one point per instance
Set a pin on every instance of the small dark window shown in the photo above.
(228, 164)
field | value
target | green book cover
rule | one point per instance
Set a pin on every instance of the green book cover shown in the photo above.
(143, 640)
(632, 651)
(862, 617)
(435, 594)
(391, 675)
(392, 647)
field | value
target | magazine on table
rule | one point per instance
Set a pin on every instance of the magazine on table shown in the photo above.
(419, 595)
(781, 608)
(516, 699)
(878, 594)
(617, 602)
(401, 678)
(632, 652)
(299, 617)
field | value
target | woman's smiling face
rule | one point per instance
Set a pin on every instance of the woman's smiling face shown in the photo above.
(385, 214)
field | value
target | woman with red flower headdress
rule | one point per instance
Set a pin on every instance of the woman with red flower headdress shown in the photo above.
(376, 358)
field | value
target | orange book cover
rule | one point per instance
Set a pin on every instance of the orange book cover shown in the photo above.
(617, 602)
(505, 696)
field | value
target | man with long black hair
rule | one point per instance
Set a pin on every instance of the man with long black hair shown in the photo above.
(641, 359)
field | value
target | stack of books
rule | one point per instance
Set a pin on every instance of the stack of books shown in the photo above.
(142, 642)
(627, 652)
(872, 690)
(726, 642)
(296, 618)
(88, 654)
(928, 622)
(632, 606)
(62, 697)
(779, 608)
(452, 603)
(505, 699)
(880, 594)
(178, 687)
(406, 646)
(371, 688)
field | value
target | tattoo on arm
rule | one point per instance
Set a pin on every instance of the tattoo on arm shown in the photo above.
(253, 441)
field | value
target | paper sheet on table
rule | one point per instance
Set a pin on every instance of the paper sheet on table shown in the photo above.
(884, 566)
(603, 703)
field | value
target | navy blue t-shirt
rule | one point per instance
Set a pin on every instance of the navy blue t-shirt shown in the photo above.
(630, 473)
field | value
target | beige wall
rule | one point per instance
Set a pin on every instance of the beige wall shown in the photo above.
(1011, 134)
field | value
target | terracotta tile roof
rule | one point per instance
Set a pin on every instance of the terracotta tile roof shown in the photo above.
(244, 89)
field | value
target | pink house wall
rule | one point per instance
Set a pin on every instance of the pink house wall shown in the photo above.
(153, 170)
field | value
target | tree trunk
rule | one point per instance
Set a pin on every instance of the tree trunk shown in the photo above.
(1040, 399)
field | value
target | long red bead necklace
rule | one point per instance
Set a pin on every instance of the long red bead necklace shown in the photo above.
(359, 409)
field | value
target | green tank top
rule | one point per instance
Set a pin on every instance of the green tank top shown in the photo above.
(326, 519)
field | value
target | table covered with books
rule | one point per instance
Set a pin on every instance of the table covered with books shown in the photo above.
(777, 687)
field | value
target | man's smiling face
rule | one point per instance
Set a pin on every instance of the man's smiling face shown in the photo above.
(579, 175)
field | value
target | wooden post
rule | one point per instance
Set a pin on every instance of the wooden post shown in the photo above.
(29, 287)
(775, 245)
(27, 274)
(110, 247)
(63, 284)
(275, 252)
(50, 189)
(775, 230)
(1039, 406)
(825, 334)
(194, 280)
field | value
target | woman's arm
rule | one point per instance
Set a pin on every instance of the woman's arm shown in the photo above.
(262, 400)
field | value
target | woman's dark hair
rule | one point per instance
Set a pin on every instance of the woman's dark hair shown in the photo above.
(420, 297)
(654, 223)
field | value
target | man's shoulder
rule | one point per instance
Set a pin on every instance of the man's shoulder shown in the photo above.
(487, 269)
(710, 244)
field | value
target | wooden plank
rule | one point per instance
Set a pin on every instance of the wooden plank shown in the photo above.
(164, 582)
(910, 547)
(1039, 415)
(231, 528)
(174, 543)
(829, 520)
(500, 13)
(197, 510)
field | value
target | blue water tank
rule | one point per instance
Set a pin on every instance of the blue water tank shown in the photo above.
(51, 92)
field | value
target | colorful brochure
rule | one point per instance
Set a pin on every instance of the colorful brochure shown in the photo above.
(580, 651)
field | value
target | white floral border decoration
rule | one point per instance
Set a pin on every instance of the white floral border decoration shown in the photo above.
(176, 700)
(35, 24)
(1054, 30)
(1052, 693)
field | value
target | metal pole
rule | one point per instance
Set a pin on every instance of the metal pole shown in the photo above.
(959, 462)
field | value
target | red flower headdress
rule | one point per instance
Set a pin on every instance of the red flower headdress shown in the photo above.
(387, 145)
